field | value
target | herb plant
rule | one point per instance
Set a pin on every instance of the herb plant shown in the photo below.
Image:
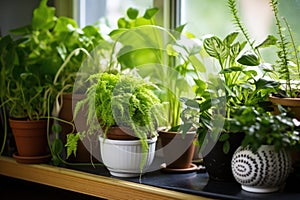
(263, 128)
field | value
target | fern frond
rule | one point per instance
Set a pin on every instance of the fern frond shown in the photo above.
(283, 45)
(237, 21)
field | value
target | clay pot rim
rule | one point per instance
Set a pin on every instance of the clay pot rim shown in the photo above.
(286, 101)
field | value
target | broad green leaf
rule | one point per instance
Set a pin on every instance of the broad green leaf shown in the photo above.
(180, 28)
(215, 48)
(263, 83)
(250, 72)
(249, 59)
(141, 22)
(149, 13)
(56, 128)
(116, 32)
(230, 38)
(123, 23)
(43, 17)
(231, 69)
(269, 41)
(65, 24)
(132, 13)
(57, 146)
(197, 64)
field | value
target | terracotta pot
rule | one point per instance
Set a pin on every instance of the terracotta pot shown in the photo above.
(292, 103)
(178, 151)
(85, 147)
(30, 137)
(217, 163)
(66, 113)
(294, 106)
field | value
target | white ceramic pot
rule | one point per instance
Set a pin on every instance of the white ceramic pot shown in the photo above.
(261, 172)
(123, 157)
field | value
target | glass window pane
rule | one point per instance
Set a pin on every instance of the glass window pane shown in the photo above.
(214, 17)
(104, 11)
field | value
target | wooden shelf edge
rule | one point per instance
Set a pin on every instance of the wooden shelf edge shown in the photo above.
(86, 183)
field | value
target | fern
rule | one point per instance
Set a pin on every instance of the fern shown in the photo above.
(237, 21)
(283, 52)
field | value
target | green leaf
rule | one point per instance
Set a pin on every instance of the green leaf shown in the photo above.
(43, 17)
(197, 64)
(230, 38)
(231, 69)
(123, 23)
(56, 128)
(132, 13)
(263, 83)
(249, 59)
(57, 146)
(226, 147)
(215, 48)
(71, 144)
(224, 137)
(149, 13)
(65, 24)
(269, 41)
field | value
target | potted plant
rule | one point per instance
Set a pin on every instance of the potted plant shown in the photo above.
(125, 113)
(287, 65)
(31, 64)
(244, 79)
(27, 68)
(151, 50)
(103, 48)
(262, 163)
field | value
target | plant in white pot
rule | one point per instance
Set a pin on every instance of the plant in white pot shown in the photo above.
(125, 113)
(262, 163)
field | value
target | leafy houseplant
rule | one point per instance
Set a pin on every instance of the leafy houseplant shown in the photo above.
(123, 104)
(244, 82)
(287, 65)
(41, 63)
(286, 68)
(267, 141)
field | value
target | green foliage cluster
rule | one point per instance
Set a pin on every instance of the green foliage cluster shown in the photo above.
(123, 100)
(243, 84)
(263, 128)
(41, 61)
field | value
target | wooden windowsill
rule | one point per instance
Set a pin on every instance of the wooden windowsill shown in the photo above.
(86, 183)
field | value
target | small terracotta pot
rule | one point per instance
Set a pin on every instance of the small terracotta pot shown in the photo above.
(292, 103)
(294, 106)
(30, 137)
(178, 151)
